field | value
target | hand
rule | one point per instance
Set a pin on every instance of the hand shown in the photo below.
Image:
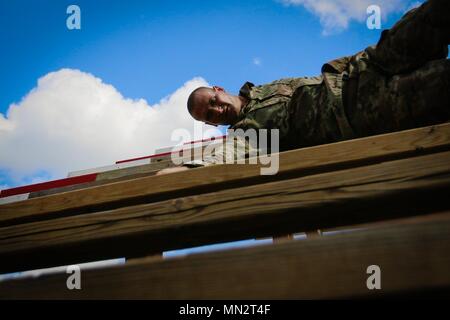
(171, 170)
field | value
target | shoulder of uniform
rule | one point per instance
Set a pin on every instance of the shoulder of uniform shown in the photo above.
(336, 66)
(246, 124)
(246, 89)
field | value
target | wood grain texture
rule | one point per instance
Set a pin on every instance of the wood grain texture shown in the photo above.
(117, 175)
(202, 180)
(413, 259)
(110, 177)
(387, 190)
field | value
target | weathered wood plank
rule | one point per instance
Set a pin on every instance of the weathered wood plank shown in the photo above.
(413, 259)
(110, 177)
(295, 162)
(416, 219)
(381, 191)
(122, 174)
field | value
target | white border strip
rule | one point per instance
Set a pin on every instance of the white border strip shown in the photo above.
(15, 198)
(109, 168)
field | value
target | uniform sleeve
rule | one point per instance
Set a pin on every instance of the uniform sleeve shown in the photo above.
(239, 146)
(421, 35)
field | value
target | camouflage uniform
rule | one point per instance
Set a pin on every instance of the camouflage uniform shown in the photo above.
(401, 83)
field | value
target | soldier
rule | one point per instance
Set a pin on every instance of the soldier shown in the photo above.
(401, 83)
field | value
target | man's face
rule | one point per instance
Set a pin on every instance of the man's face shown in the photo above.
(214, 106)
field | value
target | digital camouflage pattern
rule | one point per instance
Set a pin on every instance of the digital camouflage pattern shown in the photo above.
(402, 82)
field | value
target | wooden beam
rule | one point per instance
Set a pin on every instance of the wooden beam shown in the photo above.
(283, 238)
(439, 216)
(202, 180)
(106, 177)
(110, 177)
(117, 175)
(387, 190)
(412, 259)
(313, 234)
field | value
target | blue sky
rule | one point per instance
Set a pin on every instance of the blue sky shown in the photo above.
(146, 49)
(149, 49)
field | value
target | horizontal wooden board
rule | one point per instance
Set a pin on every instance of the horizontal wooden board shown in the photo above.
(107, 168)
(166, 153)
(413, 260)
(110, 177)
(387, 190)
(17, 197)
(200, 180)
(91, 179)
(48, 185)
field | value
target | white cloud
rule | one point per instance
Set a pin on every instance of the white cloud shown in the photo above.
(72, 121)
(335, 15)
(257, 61)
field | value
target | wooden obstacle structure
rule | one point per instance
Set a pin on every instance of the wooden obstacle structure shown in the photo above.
(393, 189)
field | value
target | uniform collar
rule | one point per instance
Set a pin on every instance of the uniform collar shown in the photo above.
(245, 90)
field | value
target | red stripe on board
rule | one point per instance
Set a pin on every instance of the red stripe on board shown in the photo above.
(146, 157)
(48, 185)
(167, 153)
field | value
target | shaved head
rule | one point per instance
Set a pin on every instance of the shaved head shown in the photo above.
(193, 98)
(214, 106)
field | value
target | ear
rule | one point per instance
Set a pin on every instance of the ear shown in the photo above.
(217, 88)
